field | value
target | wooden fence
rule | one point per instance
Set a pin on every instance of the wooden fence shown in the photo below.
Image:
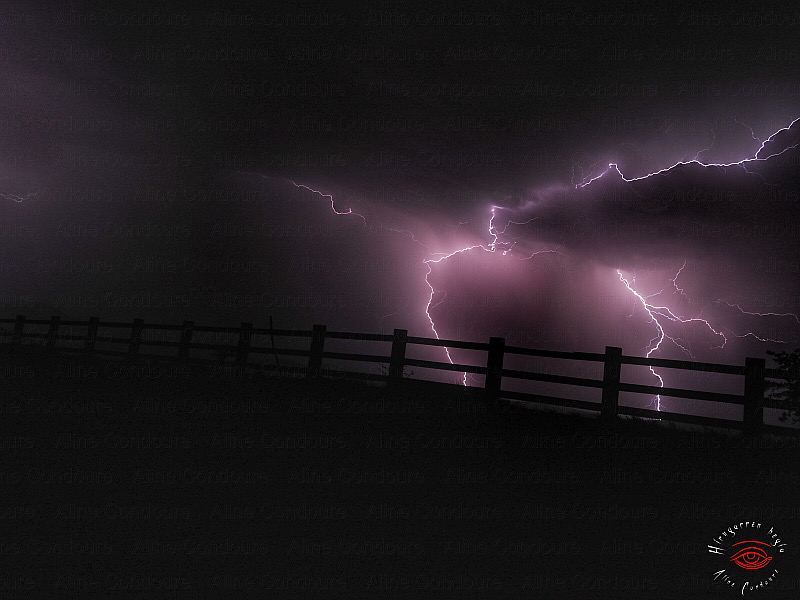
(754, 370)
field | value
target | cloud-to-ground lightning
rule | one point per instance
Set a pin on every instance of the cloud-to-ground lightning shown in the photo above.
(491, 247)
(437, 257)
(655, 312)
(659, 315)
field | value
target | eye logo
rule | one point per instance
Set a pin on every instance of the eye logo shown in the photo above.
(754, 555)
(738, 555)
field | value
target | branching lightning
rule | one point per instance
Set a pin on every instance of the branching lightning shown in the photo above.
(437, 257)
(654, 312)
(750, 129)
(660, 316)
(758, 314)
(744, 163)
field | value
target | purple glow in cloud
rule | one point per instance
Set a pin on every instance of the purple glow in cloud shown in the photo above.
(660, 316)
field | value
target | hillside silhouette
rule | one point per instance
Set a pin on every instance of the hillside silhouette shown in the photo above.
(162, 477)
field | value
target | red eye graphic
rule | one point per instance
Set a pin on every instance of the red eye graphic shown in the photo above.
(751, 556)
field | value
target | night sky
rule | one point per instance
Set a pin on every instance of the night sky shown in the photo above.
(151, 156)
(567, 178)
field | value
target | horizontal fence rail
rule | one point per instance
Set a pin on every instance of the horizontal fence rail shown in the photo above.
(240, 348)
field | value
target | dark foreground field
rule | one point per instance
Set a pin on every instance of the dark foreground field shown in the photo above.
(162, 481)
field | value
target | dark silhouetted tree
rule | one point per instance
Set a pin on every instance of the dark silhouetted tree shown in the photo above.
(787, 390)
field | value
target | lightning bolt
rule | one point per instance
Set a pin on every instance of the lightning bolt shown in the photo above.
(744, 163)
(657, 339)
(461, 224)
(654, 312)
(759, 314)
(438, 257)
(674, 281)
(706, 149)
(330, 197)
(660, 316)
(505, 248)
(428, 261)
(15, 197)
(750, 129)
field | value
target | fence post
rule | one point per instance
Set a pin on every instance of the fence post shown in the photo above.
(52, 332)
(612, 372)
(315, 352)
(186, 340)
(494, 365)
(16, 338)
(91, 335)
(243, 348)
(398, 358)
(136, 337)
(753, 394)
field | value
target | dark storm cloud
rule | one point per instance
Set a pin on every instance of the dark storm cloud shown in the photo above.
(688, 209)
(708, 242)
(161, 143)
